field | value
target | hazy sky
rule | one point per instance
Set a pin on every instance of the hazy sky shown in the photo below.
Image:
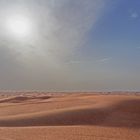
(70, 45)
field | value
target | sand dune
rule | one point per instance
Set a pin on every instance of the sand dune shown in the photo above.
(19, 99)
(80, 111)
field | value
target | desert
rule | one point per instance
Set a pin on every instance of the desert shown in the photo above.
(69, 69)
(69, 116)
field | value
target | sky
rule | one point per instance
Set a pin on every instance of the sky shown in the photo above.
(70, 45)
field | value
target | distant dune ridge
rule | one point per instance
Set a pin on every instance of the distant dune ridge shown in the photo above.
(70, 111)
(19, 99)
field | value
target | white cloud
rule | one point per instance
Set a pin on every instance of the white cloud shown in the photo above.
(60, 27)
(134, 15)
(103, 60)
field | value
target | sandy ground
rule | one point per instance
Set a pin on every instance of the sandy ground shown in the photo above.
(69, 117)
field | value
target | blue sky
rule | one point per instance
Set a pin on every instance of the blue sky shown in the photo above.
(70, 45)
(117, 36)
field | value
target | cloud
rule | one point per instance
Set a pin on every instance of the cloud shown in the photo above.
(104, 60)
(69, 23)
(137, 47)
(61, 27)
(134, 15)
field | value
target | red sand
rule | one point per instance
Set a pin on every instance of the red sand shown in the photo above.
(70, 117)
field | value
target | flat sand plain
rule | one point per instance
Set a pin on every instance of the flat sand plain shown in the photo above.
(73, 116)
